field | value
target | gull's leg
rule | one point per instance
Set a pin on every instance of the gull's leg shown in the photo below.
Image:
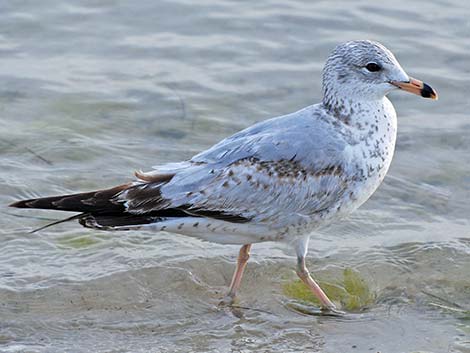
(301, 248)
(243, 257)
(304, 275)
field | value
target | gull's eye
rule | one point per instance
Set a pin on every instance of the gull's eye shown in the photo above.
(373, 67)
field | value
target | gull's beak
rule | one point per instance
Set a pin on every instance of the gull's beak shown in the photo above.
(417, 87)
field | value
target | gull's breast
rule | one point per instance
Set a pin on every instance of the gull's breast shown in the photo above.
(372, 153)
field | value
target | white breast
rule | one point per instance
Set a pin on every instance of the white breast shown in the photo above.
(374, 127)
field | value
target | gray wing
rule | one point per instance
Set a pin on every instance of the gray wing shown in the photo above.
(279, 171)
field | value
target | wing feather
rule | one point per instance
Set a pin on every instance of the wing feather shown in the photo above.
(280, 171)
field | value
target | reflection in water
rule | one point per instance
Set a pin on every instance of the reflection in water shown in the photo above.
(91, 92)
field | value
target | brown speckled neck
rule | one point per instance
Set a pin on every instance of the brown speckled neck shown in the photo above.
(340, 108)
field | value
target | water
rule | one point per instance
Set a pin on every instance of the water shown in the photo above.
(92, 90)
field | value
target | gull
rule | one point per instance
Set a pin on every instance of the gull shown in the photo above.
(278, 180)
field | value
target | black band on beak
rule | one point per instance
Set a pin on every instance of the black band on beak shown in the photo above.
(427, 91)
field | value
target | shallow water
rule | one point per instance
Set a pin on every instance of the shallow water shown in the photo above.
(96, 89)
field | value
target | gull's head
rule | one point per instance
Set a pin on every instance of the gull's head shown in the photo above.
(366, 70)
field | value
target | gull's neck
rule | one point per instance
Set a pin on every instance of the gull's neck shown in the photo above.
(353, 111)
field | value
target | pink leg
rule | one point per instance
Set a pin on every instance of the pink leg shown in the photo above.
(243, 257)
(304, 275)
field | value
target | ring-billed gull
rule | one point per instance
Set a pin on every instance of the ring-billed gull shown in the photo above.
(277, 180)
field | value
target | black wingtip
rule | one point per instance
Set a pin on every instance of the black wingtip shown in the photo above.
(20, 204)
